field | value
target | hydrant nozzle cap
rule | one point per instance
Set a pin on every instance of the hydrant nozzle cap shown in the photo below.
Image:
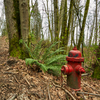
(75, 48)
(82, 71)
(62, 69)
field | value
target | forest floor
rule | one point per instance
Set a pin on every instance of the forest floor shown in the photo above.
(21, 82)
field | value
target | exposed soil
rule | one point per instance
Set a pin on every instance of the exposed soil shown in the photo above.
(21, 82)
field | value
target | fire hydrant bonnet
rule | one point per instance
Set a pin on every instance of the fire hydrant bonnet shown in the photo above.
(75, 56)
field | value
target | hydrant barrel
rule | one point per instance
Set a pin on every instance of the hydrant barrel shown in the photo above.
(73, 69)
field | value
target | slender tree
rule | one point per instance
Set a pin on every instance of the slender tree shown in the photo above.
(91, 34)
(64, 24)
(96, 28)
(56, 20)
(81, 37)
(37, 20)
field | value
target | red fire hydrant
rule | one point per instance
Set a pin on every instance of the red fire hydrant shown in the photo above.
(73, 69)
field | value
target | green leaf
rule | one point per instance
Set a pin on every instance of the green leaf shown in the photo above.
(62, 37)
(20, 41)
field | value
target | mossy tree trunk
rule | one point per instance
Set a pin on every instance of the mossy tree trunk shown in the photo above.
(56, 20)
(64, 24)
(65, 32)
(15, 27)
(81, 37)
(24, 19)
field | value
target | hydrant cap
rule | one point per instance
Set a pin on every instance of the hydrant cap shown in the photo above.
(75, 48)
(75, 56)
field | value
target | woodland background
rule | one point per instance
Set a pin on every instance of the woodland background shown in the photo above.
(39, 34)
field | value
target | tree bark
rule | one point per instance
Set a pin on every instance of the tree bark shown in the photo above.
(64, 24)
(12, 20)
(83, 24)
(56, 20)
(15, 32)
(24, 19)
(69, 23)
(96, 26)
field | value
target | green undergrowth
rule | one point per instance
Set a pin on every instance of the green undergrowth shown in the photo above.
(92, 60)
(48, 59)
(96, 73)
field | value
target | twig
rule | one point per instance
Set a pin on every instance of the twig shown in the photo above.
(65, 91)
(16, 79)
(13, 97)
(48, 92)
(91, 87)
(86, 74)
(83, 97)
(27, 81)
(10, 72)
(98, 95)
(59, 96)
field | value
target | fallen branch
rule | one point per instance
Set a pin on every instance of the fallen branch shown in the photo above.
(98, 95)
(86, 74)
(65, 90)
(10, 72)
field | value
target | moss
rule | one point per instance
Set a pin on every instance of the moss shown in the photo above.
(96, 73)
(15, 49)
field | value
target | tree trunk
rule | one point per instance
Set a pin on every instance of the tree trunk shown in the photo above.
(13, 23)
(92, 27)
(13, 20)
(96, 26)
(64, 24)
(69, 22)
(56, 20)
(83, 24)
(24, 19)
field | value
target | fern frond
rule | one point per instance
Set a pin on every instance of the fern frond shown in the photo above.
(48, 50)
(30, 53)
(55, 52)
(37, 49)
(55, 70)
(54, 59)
(30, 61)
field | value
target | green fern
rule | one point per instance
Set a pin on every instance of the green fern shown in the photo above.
(37, 50)
(55, 52)
(51, 60)
(54, 59)
(30, 61)
(48, 50)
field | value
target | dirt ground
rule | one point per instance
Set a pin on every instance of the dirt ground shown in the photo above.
(21, 82)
